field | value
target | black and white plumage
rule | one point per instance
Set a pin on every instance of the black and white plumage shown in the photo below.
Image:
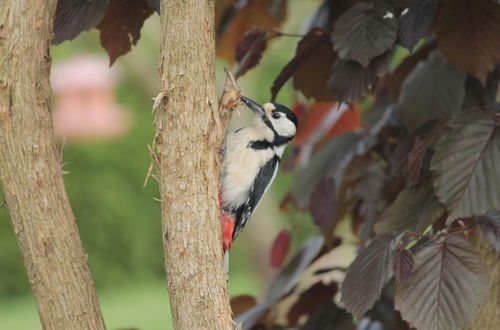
(251, 158)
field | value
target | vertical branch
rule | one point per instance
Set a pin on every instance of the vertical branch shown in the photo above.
(188, 135)
(31, 175)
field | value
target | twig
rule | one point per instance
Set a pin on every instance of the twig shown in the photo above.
(229, 99)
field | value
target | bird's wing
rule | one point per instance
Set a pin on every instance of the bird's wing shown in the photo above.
(262, 182)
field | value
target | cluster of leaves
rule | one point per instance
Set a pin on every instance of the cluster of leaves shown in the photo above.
(119, 22)
(414, 171)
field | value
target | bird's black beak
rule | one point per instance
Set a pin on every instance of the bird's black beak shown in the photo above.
(254, 106)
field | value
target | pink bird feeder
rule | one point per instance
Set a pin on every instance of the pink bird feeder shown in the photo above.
(85, 105)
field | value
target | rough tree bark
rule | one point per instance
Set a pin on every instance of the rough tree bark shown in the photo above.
(189, 132)
(31, 175)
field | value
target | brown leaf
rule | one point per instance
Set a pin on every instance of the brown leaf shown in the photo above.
(310, 300)
(253, 38)
(241, 304)
(121, 26)
(311, 75)
(249, 50)
(468, 35)
(280, 248)
(233, 22)
(308, 47)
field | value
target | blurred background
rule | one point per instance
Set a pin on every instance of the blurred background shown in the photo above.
(104, 123)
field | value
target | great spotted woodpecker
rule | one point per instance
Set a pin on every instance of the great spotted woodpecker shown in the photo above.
(251, 156)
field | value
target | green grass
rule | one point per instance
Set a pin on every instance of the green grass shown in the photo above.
(143, 306)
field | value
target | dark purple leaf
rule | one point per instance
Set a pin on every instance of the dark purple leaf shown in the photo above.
(414, 209)
(252, 38)
(367, 275)
(349, 80)
(322, 205)
(365, 31)
(465, 164)
(403, 265)
(250, 49)
(306, 54)
(279, 249)
(76, 16)
(446, 288)
(329, 316)
(121, 26)
(432, 90)
(490, 226)
(310, 300)
(415, 21)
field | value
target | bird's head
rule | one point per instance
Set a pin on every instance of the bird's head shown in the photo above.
(277, 117)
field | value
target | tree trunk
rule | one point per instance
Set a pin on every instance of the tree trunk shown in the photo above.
(31, 175)
(489, 314)
(189, 133)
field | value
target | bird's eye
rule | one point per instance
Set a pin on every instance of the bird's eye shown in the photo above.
(276, 115)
